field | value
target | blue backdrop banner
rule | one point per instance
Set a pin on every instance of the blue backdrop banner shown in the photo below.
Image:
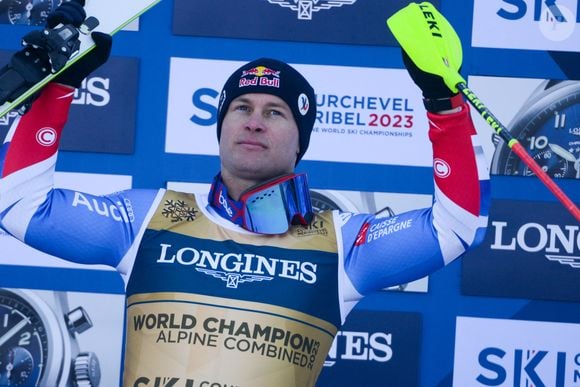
(324, 21)
(102, 117)
(531, 250)
(375, 349)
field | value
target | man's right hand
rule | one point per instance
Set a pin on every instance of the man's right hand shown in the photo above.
(72, 12)
(69, 12)
(42, 55)
(75, 74)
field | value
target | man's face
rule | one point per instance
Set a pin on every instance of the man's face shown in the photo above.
(259, 138)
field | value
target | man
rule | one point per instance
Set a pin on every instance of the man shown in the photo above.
(223, 287)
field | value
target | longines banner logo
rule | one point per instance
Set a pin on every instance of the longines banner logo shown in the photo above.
(539, 241)
(326, 21)
(235, 269)
(372, 347)
(305, 8)
(491, 352)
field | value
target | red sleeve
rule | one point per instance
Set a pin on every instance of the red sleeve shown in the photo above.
(454, 162)
(38, 132)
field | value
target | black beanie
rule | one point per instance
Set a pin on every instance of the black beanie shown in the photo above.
(271, 76)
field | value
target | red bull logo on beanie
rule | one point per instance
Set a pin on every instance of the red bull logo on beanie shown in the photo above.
(260, 76)
(261, 71)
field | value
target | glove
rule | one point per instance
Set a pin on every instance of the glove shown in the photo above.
(48, 51)
(26, 68)
(432, 86)
(51, 44)
(72, 12)
(74, 75)
(69, 12)
(437, 96)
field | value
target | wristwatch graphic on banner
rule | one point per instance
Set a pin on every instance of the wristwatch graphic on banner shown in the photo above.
(548, 127)
(38, 344)
(28, 12)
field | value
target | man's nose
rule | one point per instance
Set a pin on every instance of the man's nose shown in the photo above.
(255, 122)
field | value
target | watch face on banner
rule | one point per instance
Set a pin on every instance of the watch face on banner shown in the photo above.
(26, 12)
(545, 119)
(24, 341)
(54, 338)
(548, 126)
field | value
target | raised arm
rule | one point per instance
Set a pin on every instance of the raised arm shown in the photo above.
(381, 252)
(389, 251)
(72, 225)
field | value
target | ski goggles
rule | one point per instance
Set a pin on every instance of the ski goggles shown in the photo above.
(271, 207)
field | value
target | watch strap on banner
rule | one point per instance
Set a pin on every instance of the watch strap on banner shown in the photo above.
(85, 369)
(434, 105)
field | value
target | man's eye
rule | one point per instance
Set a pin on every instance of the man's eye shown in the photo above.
(242, 108)
(276, 113)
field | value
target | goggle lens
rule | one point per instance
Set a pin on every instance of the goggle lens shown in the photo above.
(272, 207)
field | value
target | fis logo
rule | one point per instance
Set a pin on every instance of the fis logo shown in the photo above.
(527, 367)
(94, 91)
(305, 8)
(360, 346)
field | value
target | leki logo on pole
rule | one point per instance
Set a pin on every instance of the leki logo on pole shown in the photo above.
(305, 8)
